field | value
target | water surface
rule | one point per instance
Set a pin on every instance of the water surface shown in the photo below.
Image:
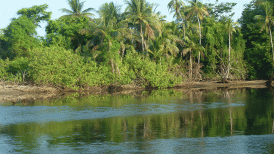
(163, 121)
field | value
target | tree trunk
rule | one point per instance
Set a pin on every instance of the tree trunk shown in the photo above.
(184, 29)
(131, 37)
(270, 80)
(141, 31)
(229, 49)
(123, 52)
(190, 66)
(200, 41)
(160, 60)
(271, 43)
(145, 47)
(117, 69)
(111, 60)
(112, 65)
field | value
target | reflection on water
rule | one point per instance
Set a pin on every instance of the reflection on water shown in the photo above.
(166, 121)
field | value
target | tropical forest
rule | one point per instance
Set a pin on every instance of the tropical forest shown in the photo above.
(105, 46)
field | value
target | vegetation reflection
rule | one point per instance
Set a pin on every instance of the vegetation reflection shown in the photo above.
(210, 114)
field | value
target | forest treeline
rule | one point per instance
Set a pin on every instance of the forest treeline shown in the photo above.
(138, 46)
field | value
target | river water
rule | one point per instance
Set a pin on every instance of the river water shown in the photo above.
(160, 121)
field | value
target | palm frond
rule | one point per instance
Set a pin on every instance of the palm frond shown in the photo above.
(64, 10)
(76, 9)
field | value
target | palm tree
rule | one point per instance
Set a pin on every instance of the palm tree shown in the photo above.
(139, 13)
(110, 20)
(76, 9)
(108, 27)
(176, 6)
(197, 10)
(110, 13)
(266, 21)
(165, 44)
(230, 27)
(190, 46)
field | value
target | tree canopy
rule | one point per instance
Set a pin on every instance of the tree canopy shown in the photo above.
(138, 46)
(76, 7)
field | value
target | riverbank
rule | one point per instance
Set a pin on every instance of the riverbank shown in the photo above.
(230, 84)
(14, 92)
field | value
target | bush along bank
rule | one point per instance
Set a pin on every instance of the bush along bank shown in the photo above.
(56, 66)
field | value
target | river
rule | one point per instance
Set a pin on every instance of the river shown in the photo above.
(158, 121)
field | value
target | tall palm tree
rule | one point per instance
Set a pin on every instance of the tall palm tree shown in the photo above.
(177, 7)
(230, 27)
(266, 21)
(110, 18)
(140, 14)
(198, 10)
(108, 27)
(189, 47)
(110, 13)
(77, 9)
(165, 44)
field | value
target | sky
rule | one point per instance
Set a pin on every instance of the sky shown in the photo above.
(9, 8)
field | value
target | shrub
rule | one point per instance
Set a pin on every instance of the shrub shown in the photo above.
(15, 70)
(3, 68)
(150, 73)
(60, 67)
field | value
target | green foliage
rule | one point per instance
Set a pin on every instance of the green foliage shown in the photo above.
(66, 32)
(3, 69)
(53, 39)
(15, 70)
(37, 13)
(217, 49)
(110, 13)
(3, 45)
(20, 34)
(109, 58)
(19, 65)
(239, 65)
(151, 74)
(60, 67)
(77, 9)
(140, 16)
(20, 37)
(79, 51)
(164, 46)
(258, 47)
(218, 10)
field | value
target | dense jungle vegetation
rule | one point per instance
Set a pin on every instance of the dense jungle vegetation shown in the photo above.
(138, 46)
